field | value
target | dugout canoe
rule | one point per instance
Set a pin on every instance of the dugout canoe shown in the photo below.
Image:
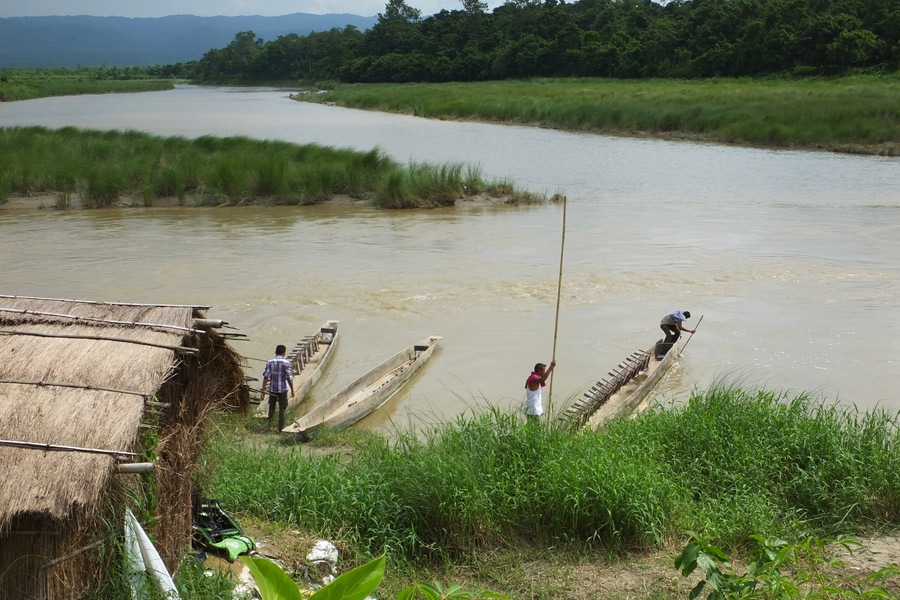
(309, 357)
(626, 388)
(637, 389)
(367, 393)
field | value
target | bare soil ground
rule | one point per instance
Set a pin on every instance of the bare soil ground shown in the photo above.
(533, 574)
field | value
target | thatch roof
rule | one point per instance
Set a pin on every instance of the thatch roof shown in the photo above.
(76, 374)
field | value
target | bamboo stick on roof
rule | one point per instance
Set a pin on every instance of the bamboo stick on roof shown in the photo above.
(192, 306)
(24, 311)
(62, 448)
(177, 349)
(210, 323)
(146, 396)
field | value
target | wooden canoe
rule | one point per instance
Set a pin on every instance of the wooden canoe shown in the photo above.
(309, 357)
(630, 396)
(624, 388)
(368, 393)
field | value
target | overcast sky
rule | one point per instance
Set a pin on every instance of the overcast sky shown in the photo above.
(207, 8)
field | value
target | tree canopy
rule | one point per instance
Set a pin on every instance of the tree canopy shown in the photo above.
(596, 38)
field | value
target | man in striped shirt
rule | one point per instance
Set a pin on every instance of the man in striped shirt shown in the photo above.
(278, 371)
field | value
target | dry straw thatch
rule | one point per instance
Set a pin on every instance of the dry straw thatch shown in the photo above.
(79, 378)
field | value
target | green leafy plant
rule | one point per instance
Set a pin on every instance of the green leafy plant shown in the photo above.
(357, 584)
(438, 591)
(711, 560)
(780, 571)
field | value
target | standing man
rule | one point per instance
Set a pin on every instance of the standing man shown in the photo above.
(278, 371)
(533, 385)
(673, 324)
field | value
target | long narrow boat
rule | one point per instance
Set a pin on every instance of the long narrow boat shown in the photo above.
(625, 388)
(368, 393)
(636, 390)
(309, 357)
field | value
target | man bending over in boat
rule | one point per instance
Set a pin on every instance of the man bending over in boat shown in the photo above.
(278, 371)
(533, 385)
(673, 324)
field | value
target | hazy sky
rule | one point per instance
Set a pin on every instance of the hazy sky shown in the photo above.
(206, 8)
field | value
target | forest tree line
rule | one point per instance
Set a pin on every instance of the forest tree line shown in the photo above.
(588, 38)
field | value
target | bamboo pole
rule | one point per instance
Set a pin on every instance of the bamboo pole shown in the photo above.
(143, 395)
(126, 468)
(556, 325)
(61, 448)
(176, 349)
(75, 553)
(210, 323)
(192, 306)
(25, 311)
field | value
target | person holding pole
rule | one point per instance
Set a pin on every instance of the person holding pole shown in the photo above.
(278, 371)
(533, 385)
(673, 324)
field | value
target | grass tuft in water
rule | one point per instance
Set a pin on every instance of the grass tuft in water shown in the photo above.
(106, 166)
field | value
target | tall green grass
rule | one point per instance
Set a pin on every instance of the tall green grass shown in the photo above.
(26, 88)
(851, 114)
(728, 464)
(106, 167)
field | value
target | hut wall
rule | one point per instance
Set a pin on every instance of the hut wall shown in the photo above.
(208, 381)
(42, 559)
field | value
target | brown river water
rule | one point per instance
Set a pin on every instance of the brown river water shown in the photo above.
(792, 258)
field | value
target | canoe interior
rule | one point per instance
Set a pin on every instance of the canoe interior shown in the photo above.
(367, 393)
(623, 388)
(308, 358)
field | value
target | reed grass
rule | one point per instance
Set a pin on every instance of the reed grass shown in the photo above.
(852, 114)
(105, 168)
(729, 464)
(27, 87)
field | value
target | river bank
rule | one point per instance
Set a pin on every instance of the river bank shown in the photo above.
(856, 115)
(28, 85)
(61, 201)
(488, 502)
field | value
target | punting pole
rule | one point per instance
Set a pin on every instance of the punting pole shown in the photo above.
(558, 295)
(692, 335)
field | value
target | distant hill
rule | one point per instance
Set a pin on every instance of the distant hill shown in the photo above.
(47, 42)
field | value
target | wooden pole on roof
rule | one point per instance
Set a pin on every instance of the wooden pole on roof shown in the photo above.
(558, 295)
(81, 386)
(193, 306)
(25, 311)
(176, 349)
(61, 448)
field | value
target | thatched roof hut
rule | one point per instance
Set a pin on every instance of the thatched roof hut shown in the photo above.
(85, 387)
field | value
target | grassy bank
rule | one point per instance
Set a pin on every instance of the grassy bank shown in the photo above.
(854, 114)
(102, 168)
(27, 87)
(729, 464)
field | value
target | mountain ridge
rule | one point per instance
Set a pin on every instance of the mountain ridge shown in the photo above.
(72, 41)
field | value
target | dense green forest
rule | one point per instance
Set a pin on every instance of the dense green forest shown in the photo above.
(589, 38)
